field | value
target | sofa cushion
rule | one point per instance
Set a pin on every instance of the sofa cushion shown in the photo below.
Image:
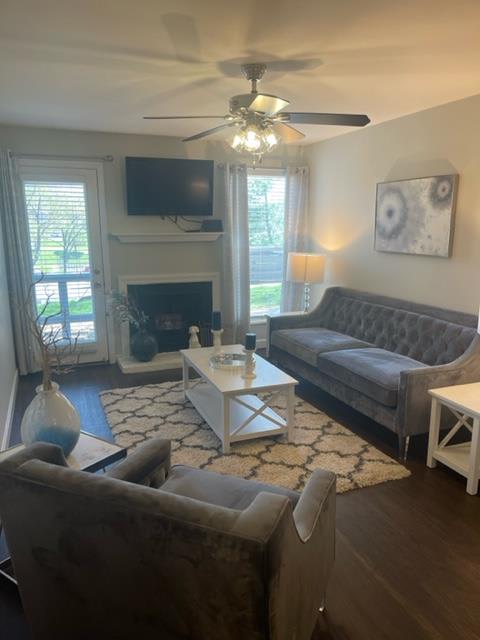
(373, 372)
(307, 344)
(219, 489)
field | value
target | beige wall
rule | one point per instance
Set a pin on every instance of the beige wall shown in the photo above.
(136, 259)
(133, 259)
(7, 357)
(344, 173)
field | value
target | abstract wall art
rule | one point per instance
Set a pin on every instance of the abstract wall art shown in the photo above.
(416, 216)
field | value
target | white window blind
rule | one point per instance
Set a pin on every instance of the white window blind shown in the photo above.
(58, 225)
(57, 220)
(266, 216)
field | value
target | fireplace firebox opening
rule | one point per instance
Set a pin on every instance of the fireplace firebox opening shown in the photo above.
(172, 308)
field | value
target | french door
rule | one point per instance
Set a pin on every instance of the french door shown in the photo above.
(63, 204)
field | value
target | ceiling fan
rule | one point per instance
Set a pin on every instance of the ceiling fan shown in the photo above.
(260, 121)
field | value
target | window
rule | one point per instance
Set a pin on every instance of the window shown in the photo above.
(57, 220)
(266, 216)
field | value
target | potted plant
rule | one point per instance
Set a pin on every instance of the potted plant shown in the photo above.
(143, 344)
(50, 417)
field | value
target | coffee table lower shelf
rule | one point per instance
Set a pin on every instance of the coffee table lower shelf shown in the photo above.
(6, 570)
(245, 416)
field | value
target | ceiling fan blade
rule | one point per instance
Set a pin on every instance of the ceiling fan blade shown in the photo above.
(268, 104)
(341, 119)
(209, 132)
(287, 133)
(178, 117)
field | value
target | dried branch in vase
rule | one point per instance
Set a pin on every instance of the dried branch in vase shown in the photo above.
(58, 351)
(125, 309)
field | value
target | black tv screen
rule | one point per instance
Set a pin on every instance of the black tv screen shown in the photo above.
(169, 187)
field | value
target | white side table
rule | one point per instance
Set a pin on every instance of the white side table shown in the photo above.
(464, 402)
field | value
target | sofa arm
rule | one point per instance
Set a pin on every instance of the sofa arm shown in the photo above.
(301, 320)
(315, 504)
(301, 557)
(414, 401)
(148, 465)
(45, 451)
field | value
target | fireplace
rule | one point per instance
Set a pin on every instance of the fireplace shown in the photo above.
(172, 308)
(173, 303)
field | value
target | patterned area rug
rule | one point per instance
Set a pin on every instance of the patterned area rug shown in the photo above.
(137, 414)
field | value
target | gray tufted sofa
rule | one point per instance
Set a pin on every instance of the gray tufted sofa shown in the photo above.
(380, 355)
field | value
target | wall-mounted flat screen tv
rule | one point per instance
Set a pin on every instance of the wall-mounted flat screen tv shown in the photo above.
(169, 187)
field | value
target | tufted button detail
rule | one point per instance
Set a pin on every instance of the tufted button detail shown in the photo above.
(423, 338)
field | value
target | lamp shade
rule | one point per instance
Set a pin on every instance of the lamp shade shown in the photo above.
(305, 267)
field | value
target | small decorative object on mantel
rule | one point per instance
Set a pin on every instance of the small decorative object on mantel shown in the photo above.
(416, 216)
(143, 344)
(50, 417)
(217, 331)
(250, 346)
(194, 342)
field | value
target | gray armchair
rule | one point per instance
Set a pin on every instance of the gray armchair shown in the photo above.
(204, 556)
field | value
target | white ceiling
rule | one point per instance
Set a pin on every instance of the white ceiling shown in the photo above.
(103, 64)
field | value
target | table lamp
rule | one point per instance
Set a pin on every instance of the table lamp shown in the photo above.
(307, 268)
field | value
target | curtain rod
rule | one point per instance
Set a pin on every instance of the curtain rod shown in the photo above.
(107, 158)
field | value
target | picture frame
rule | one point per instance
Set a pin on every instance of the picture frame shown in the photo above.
(416, 216)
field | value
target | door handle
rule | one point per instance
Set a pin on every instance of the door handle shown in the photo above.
(97, 285)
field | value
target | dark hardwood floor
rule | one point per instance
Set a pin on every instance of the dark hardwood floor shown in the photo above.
(408, 552)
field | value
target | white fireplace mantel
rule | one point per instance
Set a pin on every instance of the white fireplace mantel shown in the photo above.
(181, 236)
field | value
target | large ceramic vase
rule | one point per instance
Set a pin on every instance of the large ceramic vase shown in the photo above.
(143, 345)
(51, 417)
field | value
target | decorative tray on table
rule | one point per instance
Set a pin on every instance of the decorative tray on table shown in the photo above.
(228, 361)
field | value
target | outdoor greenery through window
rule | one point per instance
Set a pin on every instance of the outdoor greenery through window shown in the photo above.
(57, 219)
(266, 216)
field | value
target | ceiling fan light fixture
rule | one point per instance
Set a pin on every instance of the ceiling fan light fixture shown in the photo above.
(271, 139)
(254, 140)
(237, 141)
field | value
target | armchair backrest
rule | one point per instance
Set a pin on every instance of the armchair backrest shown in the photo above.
(99, 557)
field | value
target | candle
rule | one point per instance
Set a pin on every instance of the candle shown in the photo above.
(250, 341)
(216, 321)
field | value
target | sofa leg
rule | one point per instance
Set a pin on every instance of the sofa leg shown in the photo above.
(323, 605)
(403, 442)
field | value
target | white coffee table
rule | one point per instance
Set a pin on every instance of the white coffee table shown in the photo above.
(230, 404)
(463, 401)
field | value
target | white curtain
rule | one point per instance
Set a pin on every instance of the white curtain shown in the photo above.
(296, 232)
(236, 258)
(18, 258)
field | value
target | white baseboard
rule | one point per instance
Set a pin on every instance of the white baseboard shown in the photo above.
(10, 411)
